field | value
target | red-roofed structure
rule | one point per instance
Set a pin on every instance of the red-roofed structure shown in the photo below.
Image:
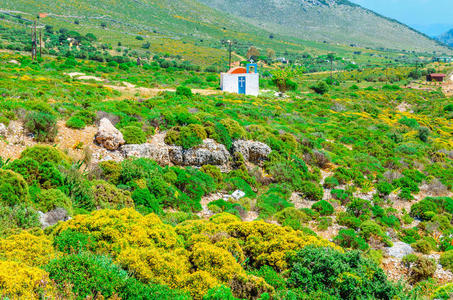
(437, 77)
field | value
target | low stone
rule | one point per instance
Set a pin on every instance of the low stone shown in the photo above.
(159, 154)
(108, 136)
(53, 217)
(251, 150)
(209, 153)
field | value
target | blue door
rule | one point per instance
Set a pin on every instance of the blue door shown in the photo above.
(242, 83)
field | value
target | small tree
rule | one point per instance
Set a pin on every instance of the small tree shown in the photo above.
(253, 53)
(270, 53)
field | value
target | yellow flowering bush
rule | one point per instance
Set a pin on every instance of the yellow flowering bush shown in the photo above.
(153, 265)
(115, 230)
(215, 260)
(19, 281)
(27, 248)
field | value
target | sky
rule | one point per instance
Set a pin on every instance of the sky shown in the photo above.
(432, 17)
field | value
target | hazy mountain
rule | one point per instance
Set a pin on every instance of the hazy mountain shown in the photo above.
(327, 20)
(447, 38)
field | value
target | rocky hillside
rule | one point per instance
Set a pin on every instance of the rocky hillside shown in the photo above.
(337, 21)
(447, 38)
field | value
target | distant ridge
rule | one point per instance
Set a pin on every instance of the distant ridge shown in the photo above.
(337, 21)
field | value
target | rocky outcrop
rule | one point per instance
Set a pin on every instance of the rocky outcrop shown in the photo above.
(251, 150)
(159, 154)
(209, 153)
(53, 217)
(108, 136)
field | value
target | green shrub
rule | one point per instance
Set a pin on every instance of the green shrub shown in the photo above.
(133, 135)
(111, 171)
(310, 190)
(412, 123)
(49, 176)
(75, 123)
(143, 197)
(42, 154)
(320, 88)
(323, 207)
(184, 91)
(348, 238)
(91, 275)
(359, 207)
(186, 136)
(219, 293)
(446, 260)
(342, 195)
(423, 134)
(422, 269)
(292, 217)
(108, 196)
(235, 130)
(272, 277)
(17, 217)
(343, 275)
(13, 188)
(421, 209)
(78, 188)
(48, 200)
(369, 229)
(42, 125)
(422, 246)
(330, 182)
(384, 188)
(27, 167)
(70, 241)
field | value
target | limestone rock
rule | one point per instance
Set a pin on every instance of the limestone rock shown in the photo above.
(159, 154)
(399, 250)
(251, 150)
(53, 217)
(108, 136)
(209, 153)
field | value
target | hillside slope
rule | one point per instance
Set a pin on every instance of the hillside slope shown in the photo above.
(447, 38)
(337, 21)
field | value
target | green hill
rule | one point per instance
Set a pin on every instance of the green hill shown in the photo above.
(192, 30)
(338, 21)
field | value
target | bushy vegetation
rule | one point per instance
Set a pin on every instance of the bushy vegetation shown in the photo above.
(343, 157)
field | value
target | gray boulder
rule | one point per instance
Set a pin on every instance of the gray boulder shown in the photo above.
(159, 154)
(209, 153)
(399, 250)
(108, 136)
(251, 150)
(53, 217)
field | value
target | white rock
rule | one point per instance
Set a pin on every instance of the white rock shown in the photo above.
(238, 194)
(108, 136)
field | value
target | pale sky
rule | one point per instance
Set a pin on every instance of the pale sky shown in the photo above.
(421, 14)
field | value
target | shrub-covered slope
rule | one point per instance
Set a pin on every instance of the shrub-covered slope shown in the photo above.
(354, 168)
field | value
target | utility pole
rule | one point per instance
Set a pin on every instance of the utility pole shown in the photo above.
(229, 53)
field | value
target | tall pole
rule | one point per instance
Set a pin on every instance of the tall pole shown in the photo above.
(229, 54)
